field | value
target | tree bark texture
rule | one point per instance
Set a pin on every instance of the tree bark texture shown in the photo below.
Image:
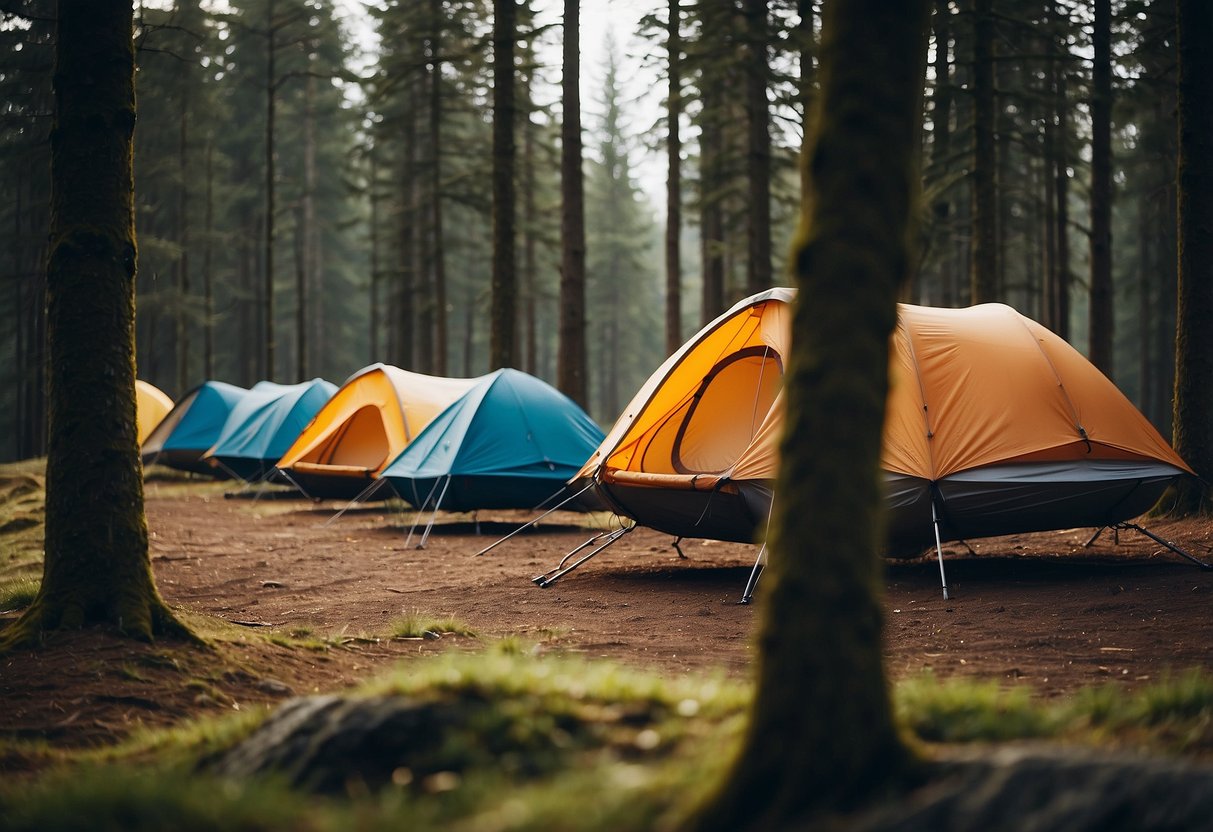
(502, 317)
(1193, 408)
(437, 343)
(673, 191)
(1101, 191)
(572, 363)
(941, 149)
(711, 209)
(268, 239)
(1061, 189)
(984, 281)
(96, 570)
(821, 734)
(758, 156)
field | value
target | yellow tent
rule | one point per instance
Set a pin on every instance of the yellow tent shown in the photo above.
(994, 425)
(151, 405)
(368, 422)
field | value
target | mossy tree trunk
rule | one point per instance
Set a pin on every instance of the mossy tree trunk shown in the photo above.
(97, 571)
(984, 279)
(1100, 317)
(503, 318)
(1193, 408)
(572, 364)
(821, 734)
(673, 193)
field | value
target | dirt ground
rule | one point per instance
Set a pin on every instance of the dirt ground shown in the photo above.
(1036, 609)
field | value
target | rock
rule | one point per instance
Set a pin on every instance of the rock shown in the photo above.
(1043, 789)
(325, 743)
(273, 686)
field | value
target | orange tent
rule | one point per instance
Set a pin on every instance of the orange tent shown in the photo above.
(994, 425)
(151, 405)
(377, 412)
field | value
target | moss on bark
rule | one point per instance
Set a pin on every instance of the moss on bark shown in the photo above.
(1193, 404)
(821, 735)
(96, 571)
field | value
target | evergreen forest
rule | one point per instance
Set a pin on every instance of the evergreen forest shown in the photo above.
(314, 185)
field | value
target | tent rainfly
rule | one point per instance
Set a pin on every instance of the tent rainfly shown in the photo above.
(375, 414)
(512, 441)
(264, 423)
(191, 428)
(994, 425)
(151, 406)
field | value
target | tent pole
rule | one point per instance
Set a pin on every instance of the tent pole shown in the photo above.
(755, 573)
(364, 494)
(434, 515)
(1162, 542)
(530, 523)
(1094, 537)
(759, 562)
(943, 579)
(678, 548)
(547, 579)
(420, 509)
(292, 481)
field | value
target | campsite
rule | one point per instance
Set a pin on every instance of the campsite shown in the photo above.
(317, 603)
(606, 415)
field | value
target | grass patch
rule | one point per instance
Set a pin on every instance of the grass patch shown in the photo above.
(420, 625)
(22, 517)
(18, 593)
(550, 742)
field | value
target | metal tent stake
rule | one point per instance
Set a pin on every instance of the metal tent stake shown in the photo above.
(943, 579)
(530, 523)
(364, 494)
(755, 574)
(553, 575)
(1119, 526)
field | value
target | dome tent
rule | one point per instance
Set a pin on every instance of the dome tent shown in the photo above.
(512, 441)
(191, 428)
(365, 425)
(264, 423)
(993, 425)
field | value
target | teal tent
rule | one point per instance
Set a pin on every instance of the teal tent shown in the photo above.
(192, 427)
(512, 441)
(264, 423)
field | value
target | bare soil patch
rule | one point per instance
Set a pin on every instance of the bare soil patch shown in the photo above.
(1037, 609)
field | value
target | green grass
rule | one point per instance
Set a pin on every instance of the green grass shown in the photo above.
(418, 625)
(549, 743)
(22, 518)
(18, 593)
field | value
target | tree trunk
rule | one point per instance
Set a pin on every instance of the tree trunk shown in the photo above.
(821, 734)
(673, 190)
(941, 150)
(373, 309)
(1193, 411)
(96, 570)
(502, 315)
(307, 222)
(183, 239)
(711, 221)
(530, 218)
(571, 363)
(208, 287)
(1101, 191)
(758, 157)
(1061, 190)
(984, 281)
(268, 299)
(436, 346)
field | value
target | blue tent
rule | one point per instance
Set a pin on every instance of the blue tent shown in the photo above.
(191, 427)
(512, 441)
(264, 423)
